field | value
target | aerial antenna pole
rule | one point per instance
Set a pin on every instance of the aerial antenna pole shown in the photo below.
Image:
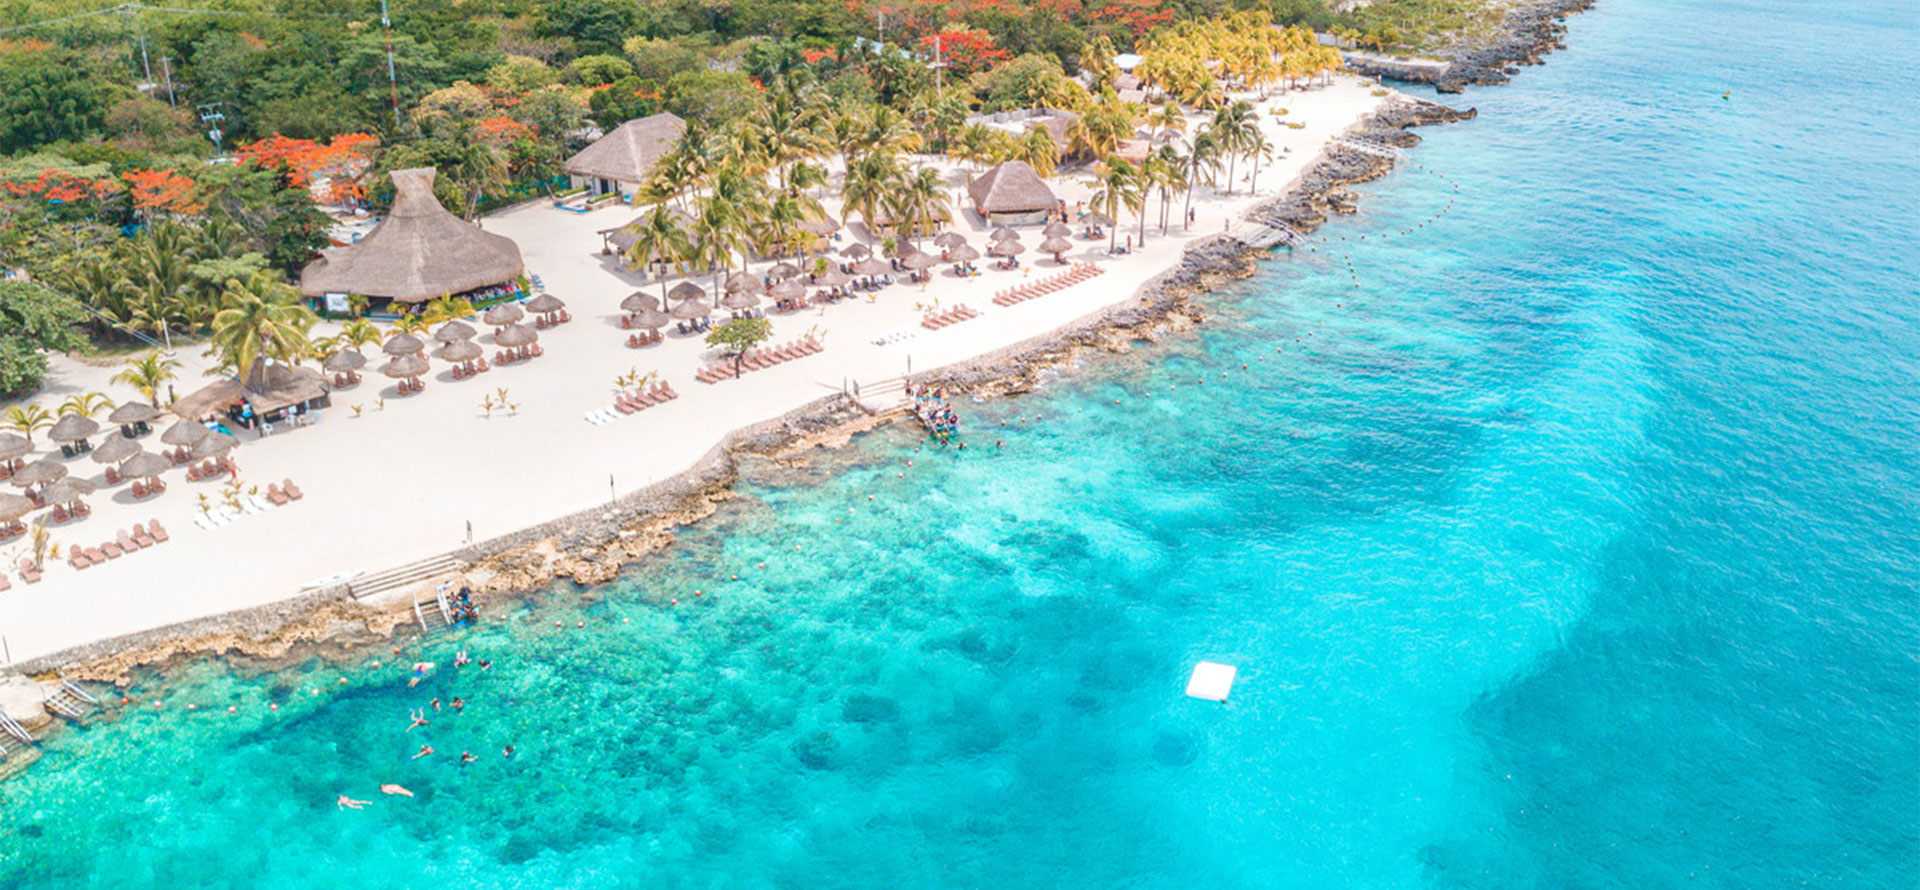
(393, 82)
(146, 64)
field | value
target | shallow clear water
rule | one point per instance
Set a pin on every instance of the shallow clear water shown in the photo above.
(1562, 528)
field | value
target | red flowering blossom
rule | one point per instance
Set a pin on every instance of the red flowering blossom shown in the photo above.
(162, 191)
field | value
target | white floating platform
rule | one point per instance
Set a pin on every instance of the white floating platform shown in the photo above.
(1211, 681)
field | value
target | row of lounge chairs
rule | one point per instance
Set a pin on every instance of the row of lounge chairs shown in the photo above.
(641, 399)
(509, 356)
(344, 379)
(644, 338)
(934, 321)
(124, 543)
(757, 359)
(414, 385)
(1047, 285)
(141, 489)
(61, 513)
(479, 366)
(558, 318)
(211, 468)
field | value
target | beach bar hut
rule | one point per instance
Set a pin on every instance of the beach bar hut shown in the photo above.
(1011, 193)
(419, 252)
(623, 159)
(270, 393)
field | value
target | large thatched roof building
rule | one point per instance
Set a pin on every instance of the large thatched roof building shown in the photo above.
(624, 158)
(1011, 193)
(419, 252)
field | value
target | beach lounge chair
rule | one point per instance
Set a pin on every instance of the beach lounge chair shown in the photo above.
(5, 584)
(274, 494)
(292, 490)
(59, 514)
(111, 549)
(126, 542)
(28, 573)
(159, 534)
(96, 555)
(74, 558)
(140, 537)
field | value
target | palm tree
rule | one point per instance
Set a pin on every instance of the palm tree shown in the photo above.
(147, 374)
(412, 323)
(1166, 176)
(360, 332)
(1258, 149)
(259, 318)
(920, 198)
(1232, 126)
(1168, 118)
(868, 182)
(1036, 148)
(1202, 156)
(1115, 183)
(659, 239)
(447, 307)
(85, 404)
(28, 419)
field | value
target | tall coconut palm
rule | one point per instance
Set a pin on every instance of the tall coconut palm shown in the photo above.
(86, 404)
(1202, 157)
(1036, 148)
(1115, 184)
(1232, 127)
(1167, 119)
(260, 317)
(919, 200)
(27, 419)
(1258, 148)
(659, 240)
(360, 333)
(868, 182)
(147, 373)
(1166, 176)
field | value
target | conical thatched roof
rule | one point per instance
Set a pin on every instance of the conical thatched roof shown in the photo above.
(73, 428)
(515, 335)
(965, 253)
(639, 302)
(419, 252)
(691, 309)
(1002, 233)
(1056, 245)
(1097, 219)
(454, 330)
(856, 250)
(684, 291)
(1008, 247)
(186, 432)
(115, 450)
(918, 261)
(1057, 229)
(651, 318)
(144, 464)
(783, 270)
(545, 303)
(405, 366)
(271, 387)
(504, 314)
(42, 470)
(871, 266)
(459, 351)
(629, 152)
(949, 239)
(133, 412)
(1010, 187)
(13, 506)
(739, 300)
(741, 282)
(822, 227)
(13, 445)
(67, 490)
(788, 289)
(345, 360)
(214, 445)
(833, 277)
(402, 343)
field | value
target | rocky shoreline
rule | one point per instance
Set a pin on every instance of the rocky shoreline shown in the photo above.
(1526, 33)
(593, 546)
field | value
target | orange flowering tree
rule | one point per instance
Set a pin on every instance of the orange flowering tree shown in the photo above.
(301, 160)
(161, 191)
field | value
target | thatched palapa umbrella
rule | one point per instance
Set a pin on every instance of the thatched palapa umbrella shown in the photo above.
(14, 506)
(459, 351)
(1057, 246)
(684, 291)
(639, 301)
(40, 471)
(789, 289)
(741, 283)
(548, 307)
(919, 261)
(689, 310)
(73, 428)
(454, 330)
(67, 491)
(408, 369)
(820, 227)
(218, 444)
(965, 253)
(1097, 219)
(185, 433)
(1002, 234)
(651, 319)
(782, 270)
(144, 465)
(504, 314)
(1057, 229)
(133, 417)
(871, 266)
(514, 336)
(856, 250)
(1008, 248)
(740, 300)
(13, 447)
(346, 361)
(949, 239)
(833, 277)
(403, 343)
(115, 450)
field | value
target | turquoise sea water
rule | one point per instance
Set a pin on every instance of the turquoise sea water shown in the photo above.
(1571, 544)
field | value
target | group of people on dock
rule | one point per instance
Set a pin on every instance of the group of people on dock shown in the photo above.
(931, 407)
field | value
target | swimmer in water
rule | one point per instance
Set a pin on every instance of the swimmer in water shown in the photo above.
(424, 751)
(459, 703)
(348, 803)
(507, 751)
(435, 703)
(419, 716)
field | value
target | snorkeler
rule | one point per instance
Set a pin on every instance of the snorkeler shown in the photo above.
(348, 803)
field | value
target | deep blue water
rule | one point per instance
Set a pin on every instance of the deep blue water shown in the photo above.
(1559, 511)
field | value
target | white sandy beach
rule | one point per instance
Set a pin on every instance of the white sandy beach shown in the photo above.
(400, 483)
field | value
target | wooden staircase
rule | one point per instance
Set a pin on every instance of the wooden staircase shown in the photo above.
(391, 579)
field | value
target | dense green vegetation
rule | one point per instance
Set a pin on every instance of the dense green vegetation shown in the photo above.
(108, 121)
